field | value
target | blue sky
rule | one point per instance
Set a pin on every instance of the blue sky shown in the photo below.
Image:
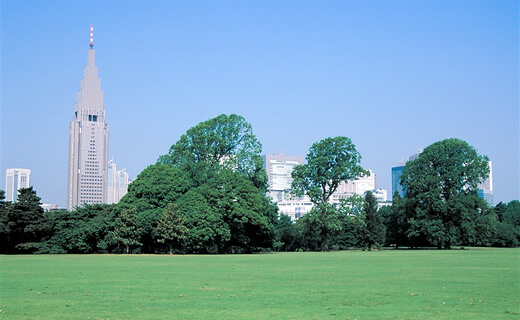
(394, 76)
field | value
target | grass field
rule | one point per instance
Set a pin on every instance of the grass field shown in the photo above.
(389, 284)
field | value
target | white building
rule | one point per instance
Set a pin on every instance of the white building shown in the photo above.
(117, 183)
(279, 169)
(485, 189)
(88, 140)
(16, 179)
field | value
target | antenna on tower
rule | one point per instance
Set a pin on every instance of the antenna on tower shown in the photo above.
(91, 36)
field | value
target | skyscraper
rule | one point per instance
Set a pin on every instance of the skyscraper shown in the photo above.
(16, 179)
(396, 174)
(485, 189)
(279, 169)
(88, 140)
(117, 183)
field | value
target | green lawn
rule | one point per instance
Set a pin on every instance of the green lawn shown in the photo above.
(389, 284)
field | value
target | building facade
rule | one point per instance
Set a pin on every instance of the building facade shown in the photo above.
(279, 169)
(117, 183)
(16, 179)
(485, 189)
(88, 140)
(396, 174)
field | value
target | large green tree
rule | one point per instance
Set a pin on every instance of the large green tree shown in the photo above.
(150, 193)
(4, 223)
(87, 229)
(171, 227)
(374, 230)
(437, 185)
(127, 230)
(26, 223)
(223, 142)
(329, 162)
(207, 230)
(248, 214)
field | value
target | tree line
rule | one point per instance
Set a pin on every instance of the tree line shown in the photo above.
(208, 195)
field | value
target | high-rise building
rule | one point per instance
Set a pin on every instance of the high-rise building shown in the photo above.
(117, 183)
(485, 189)
(396, 174)
(396, 180)
(279, 169)
(88, 140)
(16, 179)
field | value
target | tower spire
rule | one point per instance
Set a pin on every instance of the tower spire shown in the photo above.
(91, 36)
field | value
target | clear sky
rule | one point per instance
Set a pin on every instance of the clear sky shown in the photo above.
(394, 76)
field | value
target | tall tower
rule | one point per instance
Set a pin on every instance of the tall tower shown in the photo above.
(88, 140)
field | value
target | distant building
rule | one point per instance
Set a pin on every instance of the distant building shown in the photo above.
(48, 207)
(88, 140)
(16, 179)
(296, 207)
(279, 169)
(117, 183)
(359, 186)
(396, 181)
(485, 189)
(396, 174)
(381, 195)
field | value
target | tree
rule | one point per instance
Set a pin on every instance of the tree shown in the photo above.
(329, 162)
(285, 239)
(25, 222)
(500, 209)
(353, 222)
(156, 187)
(223, 142)
(171, 227)
(248, 214)
(396, 223)
(87, 229)
(4, 223)
(374, 231)
(436, 185)
(150, 193)
(127, 230)
(207, 231)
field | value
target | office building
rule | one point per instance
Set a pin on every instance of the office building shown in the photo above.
(16, 179)
(279, 169)
(117, 183)
(396, 174)
(485, 189)
(88, 140)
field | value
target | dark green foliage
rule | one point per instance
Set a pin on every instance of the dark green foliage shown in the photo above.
(4, 224)
(156, 187)
(171, 228)
(150, 193)
(86, 229)
(207, 230)
(127, 230)
(286, 238)
(244, 209)
(512, 214)
(352, 222)
(374, 229)
(438, 186)
(26, 224)
(500, 210)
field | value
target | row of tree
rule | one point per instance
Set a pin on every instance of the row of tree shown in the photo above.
(208, 195)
